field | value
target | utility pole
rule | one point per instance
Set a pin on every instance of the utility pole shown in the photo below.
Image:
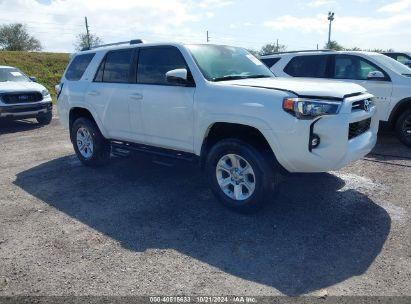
(208, 38)
(331, 19)
(88, 33)
(277, 46)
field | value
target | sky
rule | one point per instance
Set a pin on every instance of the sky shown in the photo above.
(298, 24)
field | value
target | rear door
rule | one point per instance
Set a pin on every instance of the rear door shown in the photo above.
(355, 69)
(166, 109)
(113, 93)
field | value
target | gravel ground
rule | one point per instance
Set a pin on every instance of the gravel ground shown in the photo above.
(137, 228)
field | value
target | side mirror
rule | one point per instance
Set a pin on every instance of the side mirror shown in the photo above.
(32, 78)
(376, 75)
(408, 63)
(177, 76)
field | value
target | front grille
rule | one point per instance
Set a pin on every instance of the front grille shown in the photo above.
(358, 128)
(361, 105)
(28, 108)
(22, 97)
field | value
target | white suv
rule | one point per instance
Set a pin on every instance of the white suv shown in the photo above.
(21, 97)
(387, 79)
(217, 105)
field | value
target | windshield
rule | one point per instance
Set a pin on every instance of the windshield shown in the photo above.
(219, 63)
(392, 64)
(12, 74)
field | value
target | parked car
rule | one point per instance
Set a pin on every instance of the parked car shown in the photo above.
(21, 97)
(215, 105)
(387, 79)
(404, 58)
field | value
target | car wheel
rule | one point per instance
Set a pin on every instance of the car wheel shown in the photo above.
(240, 175)
(403, 128)
(89, 144)
(45, 118)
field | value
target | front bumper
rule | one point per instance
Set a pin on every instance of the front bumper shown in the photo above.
(336, 148)
(21, 111)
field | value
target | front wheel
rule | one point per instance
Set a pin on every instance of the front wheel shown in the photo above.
(240, 175)
(89, 144)
(45, 118)
(403, 128)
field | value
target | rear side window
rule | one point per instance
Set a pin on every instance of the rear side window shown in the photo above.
(78, 66)
(115, 67)
(269, 62)
(154, 63)
(308, 66)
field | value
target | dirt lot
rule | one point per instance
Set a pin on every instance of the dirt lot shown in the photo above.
(137, 228)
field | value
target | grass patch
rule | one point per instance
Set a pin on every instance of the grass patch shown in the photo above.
(46, 67)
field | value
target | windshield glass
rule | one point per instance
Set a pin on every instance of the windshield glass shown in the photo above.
(219, 63)
(12, 74)
(392, 64)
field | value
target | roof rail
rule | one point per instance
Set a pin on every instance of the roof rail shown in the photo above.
(302, 51)
(130, 42)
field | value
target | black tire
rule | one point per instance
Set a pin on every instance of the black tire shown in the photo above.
(267, 178)
(403, 126)
(101, 147)
(45, 118)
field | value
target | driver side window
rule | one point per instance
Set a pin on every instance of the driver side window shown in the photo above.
(353, 67)
(155, 62)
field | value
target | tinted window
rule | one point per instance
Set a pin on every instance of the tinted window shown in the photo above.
(269, 62)
(116, 67)
(307, 66)
(154, 63)
(353, 67)
(403, 58)
(78, 66)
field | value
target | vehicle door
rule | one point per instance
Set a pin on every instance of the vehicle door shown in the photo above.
(115, 95)
(356, 69)
(166, 108)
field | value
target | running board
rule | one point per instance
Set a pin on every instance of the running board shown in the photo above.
(167, 153)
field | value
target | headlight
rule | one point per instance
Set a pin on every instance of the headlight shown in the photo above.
(303, 108)
(45, 93)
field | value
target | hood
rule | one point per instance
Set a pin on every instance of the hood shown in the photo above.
(306, 87)
(10, 86)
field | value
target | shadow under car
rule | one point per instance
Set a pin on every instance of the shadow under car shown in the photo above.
(313, 235)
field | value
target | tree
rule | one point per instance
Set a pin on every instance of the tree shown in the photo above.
(334, 45)
(15, 37)
(254, 52)
(271, 48)
(82, 41)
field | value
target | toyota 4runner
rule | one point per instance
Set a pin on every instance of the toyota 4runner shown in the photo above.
(218, 105)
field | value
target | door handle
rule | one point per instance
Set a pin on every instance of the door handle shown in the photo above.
(136, 96)
(93, 93)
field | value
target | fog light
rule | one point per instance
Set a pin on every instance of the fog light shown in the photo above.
(315, 141)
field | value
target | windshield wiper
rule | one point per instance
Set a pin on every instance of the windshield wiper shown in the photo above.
(229, 77)
(235, 77)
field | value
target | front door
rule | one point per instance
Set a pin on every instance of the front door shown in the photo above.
(166, 109)
(356, 69)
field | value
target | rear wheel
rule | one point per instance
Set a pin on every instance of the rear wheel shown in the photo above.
(89, 144)
(45, 118)
(240, 175)
(403, 128)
